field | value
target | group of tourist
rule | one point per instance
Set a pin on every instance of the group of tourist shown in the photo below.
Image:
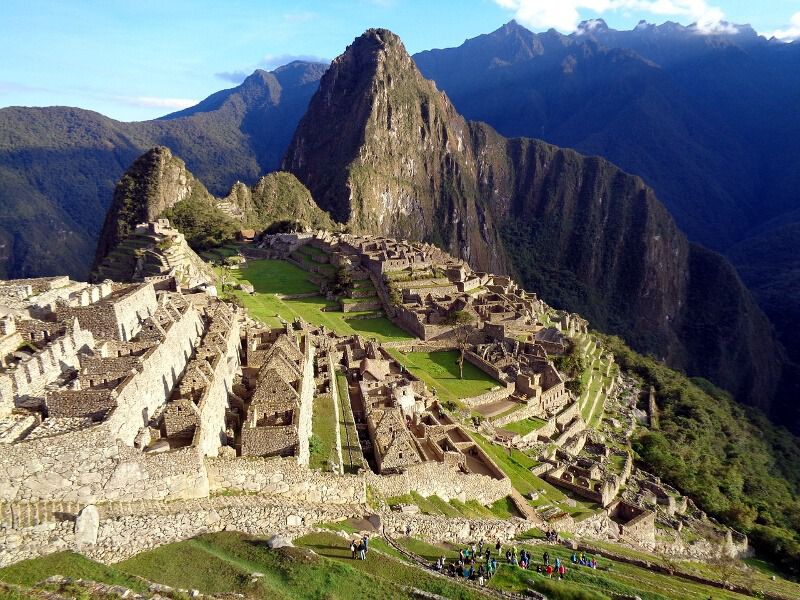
(584, 561)
(359, 547)
(478, 563)
(474, 563)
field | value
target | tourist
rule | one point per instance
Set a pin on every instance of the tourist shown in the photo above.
(558, 562)
(546, 558)
(362, 551)
(497, 547)
(562, 570)
(549, 570)
(488, 553)
(353, 549)
(574, 558)
(481, 580)
(408, 530)
(480, 546)
(594, 563)
(365, 543)
(508, 556)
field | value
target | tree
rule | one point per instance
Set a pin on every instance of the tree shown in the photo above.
(461, 320)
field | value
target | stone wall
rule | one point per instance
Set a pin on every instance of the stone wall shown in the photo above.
(334, 387)
(6, 396)
(30, 377)
(283, 477)
(126, 530)
(306, 408)
(214, 401)
(484, 366)
(139, 395)
(119, 316)
(440, 479)
(440, 529)
(490, 396)
(90, 465)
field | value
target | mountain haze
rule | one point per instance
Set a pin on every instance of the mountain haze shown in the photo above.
(385, 152)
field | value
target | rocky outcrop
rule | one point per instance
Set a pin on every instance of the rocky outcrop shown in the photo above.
(384, 151)
(274, 198)
(154, 183)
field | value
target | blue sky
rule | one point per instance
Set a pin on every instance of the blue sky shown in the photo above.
(134, 60)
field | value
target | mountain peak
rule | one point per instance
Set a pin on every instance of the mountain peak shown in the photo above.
(593, 25)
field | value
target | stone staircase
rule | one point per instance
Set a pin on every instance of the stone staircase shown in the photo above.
(230, 209)
(525, 509)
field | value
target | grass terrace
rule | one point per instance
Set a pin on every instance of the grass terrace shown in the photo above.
(274, 278)
(439, 370)
(352, 456)
(323, 438)
(525, 426)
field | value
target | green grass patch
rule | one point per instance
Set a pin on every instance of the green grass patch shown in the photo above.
(223, 562)
(525, 426)
(271, 277)
(504, 508)
(447, 509)
(323, 447)
(352, 456)
(439, 370)
(68, 564)
(385, 568)
(516, 464)
(426, 550)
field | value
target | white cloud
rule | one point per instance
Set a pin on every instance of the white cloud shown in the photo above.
(154, 102)
(791, 33)
(273, 61)
(565, 15)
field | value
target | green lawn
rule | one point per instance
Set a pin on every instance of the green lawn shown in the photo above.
(385, 568)
(516, 465)
(68, 564)
(223, 562)
(439, 370)
(352, 456)
(525, 426)
(323, 452)
(271, 277)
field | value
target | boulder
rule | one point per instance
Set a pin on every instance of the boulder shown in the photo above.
(277, 541)
(87, 526)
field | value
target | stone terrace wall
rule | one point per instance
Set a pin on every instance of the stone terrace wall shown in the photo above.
(140, 395)
(283, 477)
(434, 478)
(484, 366)
(306, 409)
(127, 530)
(490, 396)
(439, 529)
(90, 465)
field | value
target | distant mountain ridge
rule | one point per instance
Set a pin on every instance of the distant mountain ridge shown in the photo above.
(58, 165)
(385, 152)
(709, 121)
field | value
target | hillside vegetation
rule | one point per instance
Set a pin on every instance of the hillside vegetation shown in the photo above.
(731, 460)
